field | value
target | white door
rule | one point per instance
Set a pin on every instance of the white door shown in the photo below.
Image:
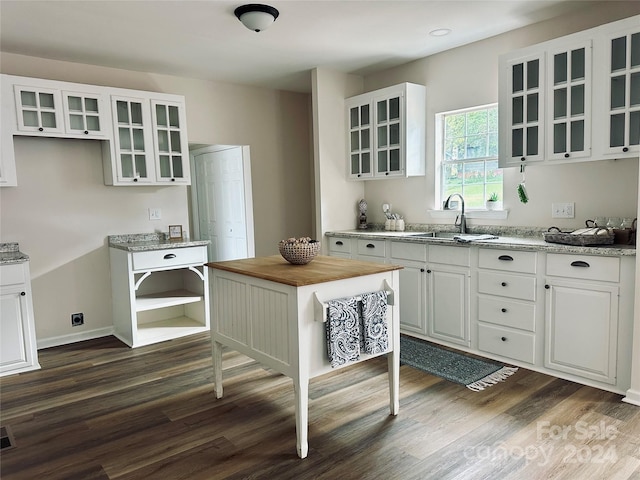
(223, 201)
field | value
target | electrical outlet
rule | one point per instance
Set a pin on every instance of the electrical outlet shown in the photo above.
(155, 214)
(77, 319)
(563, 210)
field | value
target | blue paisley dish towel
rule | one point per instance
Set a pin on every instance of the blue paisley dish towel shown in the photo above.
(375, 336)
(343, 331)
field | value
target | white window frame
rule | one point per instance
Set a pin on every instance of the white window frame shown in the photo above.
(439, 180)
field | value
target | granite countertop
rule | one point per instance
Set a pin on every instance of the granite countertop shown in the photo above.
(144, 242)
(514, 238)
(10, 253)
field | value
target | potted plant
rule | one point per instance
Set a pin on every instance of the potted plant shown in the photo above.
(492, 201)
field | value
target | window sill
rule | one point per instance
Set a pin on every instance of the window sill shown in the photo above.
(480, 214)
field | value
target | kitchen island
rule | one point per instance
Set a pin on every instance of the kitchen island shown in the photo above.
(274, 312)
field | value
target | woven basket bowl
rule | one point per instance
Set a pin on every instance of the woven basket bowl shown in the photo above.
(299, 253)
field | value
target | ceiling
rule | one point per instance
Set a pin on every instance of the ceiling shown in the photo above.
(203, 39)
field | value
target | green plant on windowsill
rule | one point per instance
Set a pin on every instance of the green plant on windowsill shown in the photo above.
(492, 201)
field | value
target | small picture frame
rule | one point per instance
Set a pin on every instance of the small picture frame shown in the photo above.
(175, 232)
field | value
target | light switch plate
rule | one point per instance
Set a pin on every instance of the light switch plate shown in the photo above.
(155, 214)
(563, 210)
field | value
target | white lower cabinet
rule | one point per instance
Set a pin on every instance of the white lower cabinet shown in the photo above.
(160, 294)
(448, 294)
(18, 350)
(581, 317)
(567, 315)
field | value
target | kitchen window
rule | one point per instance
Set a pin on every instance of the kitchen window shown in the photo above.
(467, 155)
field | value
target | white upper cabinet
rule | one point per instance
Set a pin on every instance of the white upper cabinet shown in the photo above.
(521, 109)
(143, 134)
(170, 142)
(619, 54)
(38, 109)
(589, 105)
(85, 114)
(569, 102)
(386, 133)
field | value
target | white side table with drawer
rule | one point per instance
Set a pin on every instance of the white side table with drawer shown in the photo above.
(159, 293)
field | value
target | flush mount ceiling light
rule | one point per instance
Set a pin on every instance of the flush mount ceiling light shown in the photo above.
(256, 16)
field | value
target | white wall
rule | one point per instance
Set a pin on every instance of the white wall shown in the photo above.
(61, 212)
(468, 76)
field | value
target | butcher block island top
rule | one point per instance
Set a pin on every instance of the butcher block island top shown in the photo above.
(321, 269)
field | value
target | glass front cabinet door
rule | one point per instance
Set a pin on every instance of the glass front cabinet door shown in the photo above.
(359, 139)
(623, 107)
(171, 147)
(388, 135)
(38, 110)
(84, 114)
(133, 143)
(524, 113)
(569, 102)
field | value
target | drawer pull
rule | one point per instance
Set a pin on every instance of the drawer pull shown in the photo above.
(169, 256)
(370, 245)
(504, 339)
(503, 310)
(504, 284)
(339, 242)
(580, 263)
(506, 258)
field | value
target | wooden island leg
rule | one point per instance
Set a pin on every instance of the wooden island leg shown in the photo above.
(217, 367)
(301, 389)
(393, 362)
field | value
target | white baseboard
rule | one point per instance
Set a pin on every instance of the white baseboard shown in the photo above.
(633, 397)
(73, 338)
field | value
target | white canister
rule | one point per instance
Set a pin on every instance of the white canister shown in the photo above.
(387, 224)
(392, 224)
(400, 225)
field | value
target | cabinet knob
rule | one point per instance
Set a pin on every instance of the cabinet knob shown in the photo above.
(135, 179)
(169, 256)
(173, 179)
(503, 310)
(22, 294)
(40, 129)
(428, 271)
(547, 287)
(422, 269)
(504, 284)
(566, 155)
(522, 159)
(625, 149)
(386, 173)
(504, 339)
(86, 132)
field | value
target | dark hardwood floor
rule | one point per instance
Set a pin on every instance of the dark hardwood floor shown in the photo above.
(100, 410)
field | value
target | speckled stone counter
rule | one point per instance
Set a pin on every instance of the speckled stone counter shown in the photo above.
(515, 238)
(10, 253)
(143, 242)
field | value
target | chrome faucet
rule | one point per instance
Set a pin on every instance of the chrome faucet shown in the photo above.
(461, 217)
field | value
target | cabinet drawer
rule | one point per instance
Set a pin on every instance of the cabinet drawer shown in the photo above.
(450, 255)
(373, 248)
(507, 343)
(169, 258)
(584, 267)
(507, 260)
(509, 313)
(507, 285)
(12, 274)
(339, 245)
(409, 251)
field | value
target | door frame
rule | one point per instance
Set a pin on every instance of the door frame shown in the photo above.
(248, 195)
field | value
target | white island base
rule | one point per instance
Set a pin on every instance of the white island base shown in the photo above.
(272, 312)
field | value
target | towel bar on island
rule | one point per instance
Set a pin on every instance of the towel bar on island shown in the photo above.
(320, 307)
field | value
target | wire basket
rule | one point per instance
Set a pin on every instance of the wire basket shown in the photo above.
(590, 237)
(299, 253)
